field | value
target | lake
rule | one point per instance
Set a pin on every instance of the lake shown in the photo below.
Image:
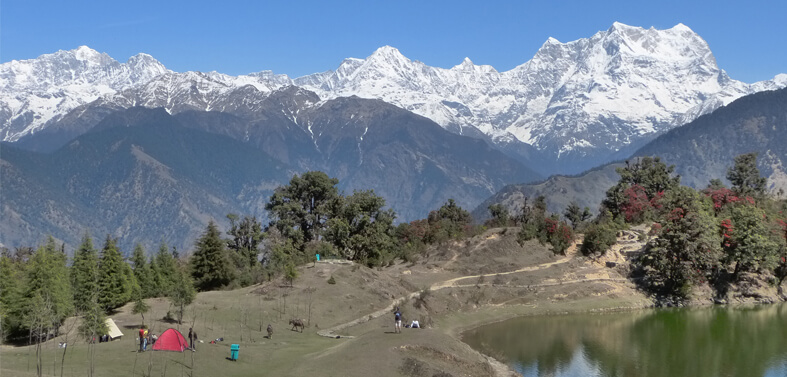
(709, 342)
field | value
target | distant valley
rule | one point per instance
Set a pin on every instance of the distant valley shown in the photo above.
(148, 154)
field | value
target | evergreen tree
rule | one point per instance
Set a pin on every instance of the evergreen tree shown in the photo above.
(164, 270)
(290, 273)
(447, 222)
(599, 237)
(745, 177)
(48, 299)
(10, 295)
(301, 209)
(642, 181)
(500, 215)
(361, 230)
(687, 251)
(210, 267)
(84, 274)
(182, 293)
(140, 307)
(750, 246)
(93, 322)
(246, 238)
(576, 215)
(115, 288)
(143, 272)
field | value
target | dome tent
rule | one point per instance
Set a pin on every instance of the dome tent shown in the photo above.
(171, 340)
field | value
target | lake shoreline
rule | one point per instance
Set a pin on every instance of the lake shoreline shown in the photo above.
(457, 325)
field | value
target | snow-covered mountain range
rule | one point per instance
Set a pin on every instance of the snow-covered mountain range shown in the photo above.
(573, 105)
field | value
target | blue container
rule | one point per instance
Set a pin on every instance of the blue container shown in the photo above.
(234, 350)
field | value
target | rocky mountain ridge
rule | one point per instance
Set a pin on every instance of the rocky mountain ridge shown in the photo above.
(702, 150)
(572, 106)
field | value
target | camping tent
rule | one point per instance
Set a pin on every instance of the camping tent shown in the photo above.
(171, 340)
(112, 329)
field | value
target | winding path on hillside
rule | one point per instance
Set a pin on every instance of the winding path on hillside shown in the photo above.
(499, 368)
(452, 283)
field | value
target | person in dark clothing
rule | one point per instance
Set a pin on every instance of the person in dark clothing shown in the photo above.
(192, 339)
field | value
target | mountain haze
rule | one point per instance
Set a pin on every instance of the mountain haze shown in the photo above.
(701, 150)
(144, 175)
(139, 176)
(572, 106)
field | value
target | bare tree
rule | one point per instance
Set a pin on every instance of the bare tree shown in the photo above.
(309, 291)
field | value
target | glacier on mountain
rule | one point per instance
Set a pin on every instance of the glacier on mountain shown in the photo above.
(580, 102)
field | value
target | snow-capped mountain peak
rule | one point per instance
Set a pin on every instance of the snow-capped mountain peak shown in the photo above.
(36, 91)
(579, 103)
(589, 97)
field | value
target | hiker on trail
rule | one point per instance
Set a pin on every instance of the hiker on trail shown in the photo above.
(192, 338)
(397, 320)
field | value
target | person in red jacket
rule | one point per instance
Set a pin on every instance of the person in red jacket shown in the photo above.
(142, 339)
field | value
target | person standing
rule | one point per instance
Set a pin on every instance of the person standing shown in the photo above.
(141, 339)
(145, 340)
(192, 339)
(397, 320)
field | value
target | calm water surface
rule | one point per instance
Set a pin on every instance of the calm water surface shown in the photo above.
(682, 342)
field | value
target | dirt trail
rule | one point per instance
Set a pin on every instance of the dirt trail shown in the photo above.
(451, 283)
(500, 368)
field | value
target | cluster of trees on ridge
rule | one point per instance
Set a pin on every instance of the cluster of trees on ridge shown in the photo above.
(40, 287)
(713, 236)
(716, 236)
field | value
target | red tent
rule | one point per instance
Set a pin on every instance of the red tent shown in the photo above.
(171, 340)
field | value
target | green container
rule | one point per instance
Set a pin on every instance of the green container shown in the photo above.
(234, 350)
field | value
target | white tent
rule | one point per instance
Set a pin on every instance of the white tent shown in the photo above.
(112, 329)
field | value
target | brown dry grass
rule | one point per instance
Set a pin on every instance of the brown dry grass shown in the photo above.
(458, 286)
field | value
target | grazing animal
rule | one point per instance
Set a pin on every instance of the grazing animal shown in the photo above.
(297, 322)
(270, 332)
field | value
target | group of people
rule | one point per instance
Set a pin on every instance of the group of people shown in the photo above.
(398, 322)
(145, 338)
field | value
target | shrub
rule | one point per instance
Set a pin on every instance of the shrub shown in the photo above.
(598, 239)
(561, 238)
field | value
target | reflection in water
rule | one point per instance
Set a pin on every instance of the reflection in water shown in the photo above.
(703, 342)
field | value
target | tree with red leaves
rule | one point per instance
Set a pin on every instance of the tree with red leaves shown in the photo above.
(641, 185)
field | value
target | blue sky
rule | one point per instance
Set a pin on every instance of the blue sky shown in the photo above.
(749, 39)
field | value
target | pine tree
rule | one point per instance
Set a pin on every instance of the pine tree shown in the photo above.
(576, 215)
(48, 299)
(164, 270)
(246, 239)
(182, 293)
(500, 215)
(10, 295)
(84, 274)
(751, 246)
(114, 285)
(688, 249)
(745, 177)
(210, 266)
(140, 307)
(143, 272)
(301, 209)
